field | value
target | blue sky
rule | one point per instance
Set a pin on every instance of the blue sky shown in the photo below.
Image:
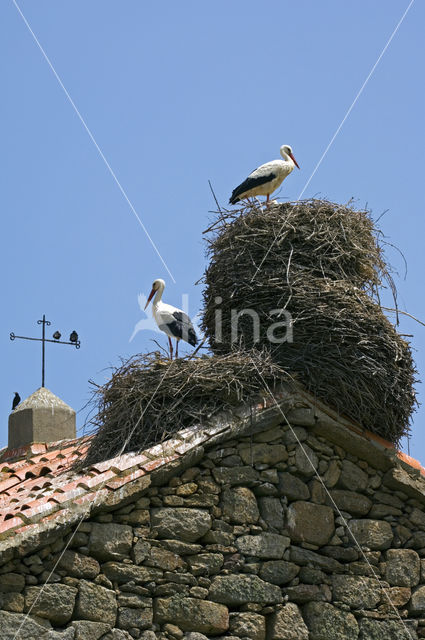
(176, 94)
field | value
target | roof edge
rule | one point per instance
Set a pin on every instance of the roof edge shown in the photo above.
(157, 464)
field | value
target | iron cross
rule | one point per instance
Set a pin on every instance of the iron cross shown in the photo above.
(74, 342)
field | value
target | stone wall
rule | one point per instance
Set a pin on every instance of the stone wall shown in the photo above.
(245, 545)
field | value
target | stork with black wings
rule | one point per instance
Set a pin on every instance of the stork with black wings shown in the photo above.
(266, 178)
(172, 321)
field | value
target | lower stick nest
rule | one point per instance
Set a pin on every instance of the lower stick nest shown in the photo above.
(148, 399)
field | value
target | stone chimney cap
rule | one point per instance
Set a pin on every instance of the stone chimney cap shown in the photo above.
(43, 417)
(42, 398)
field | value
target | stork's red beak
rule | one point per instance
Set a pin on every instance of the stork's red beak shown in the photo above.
(151, 295)
(293, 160)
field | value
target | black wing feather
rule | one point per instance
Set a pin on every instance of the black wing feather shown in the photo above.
(182, 328)
(248, 184)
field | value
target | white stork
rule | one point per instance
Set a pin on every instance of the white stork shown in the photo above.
(267, 178)
(172, 321)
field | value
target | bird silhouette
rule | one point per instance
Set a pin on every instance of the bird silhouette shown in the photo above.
(16, 401)
(147, 323)
(73, 337)
(57, 335)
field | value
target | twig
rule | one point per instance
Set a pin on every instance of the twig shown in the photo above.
(193, 354)
(382, 214)
(404, 313)
(160, 347)
(214, 196)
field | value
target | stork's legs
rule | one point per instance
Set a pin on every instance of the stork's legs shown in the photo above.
(268, 199)
(171, 347)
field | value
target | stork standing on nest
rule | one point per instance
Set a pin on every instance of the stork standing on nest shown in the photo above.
(267, 178)
(172, 321)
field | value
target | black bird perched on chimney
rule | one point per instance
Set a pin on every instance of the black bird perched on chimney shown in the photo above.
(16, 401)
(73, 337)
(57, 335)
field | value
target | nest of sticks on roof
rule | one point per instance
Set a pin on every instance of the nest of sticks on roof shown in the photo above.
(315, 268)
(148, 399)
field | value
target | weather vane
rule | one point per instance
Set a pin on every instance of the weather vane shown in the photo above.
(73, 341)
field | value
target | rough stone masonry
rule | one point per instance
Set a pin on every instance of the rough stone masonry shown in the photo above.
(244, 545)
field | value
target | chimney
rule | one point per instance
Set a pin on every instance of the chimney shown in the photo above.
(42, 417)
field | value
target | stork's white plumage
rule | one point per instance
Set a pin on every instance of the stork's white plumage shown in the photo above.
(267, 178)
(171, 320)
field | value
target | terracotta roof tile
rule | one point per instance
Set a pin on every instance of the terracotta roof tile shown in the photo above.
(68, 496)
(100, 467)
(38, 447)
(39, 501)
(36, 484)
(118, 482)
(91, 497)
(90, 482)
(63, 515)
(10, 482)
(7, 526)
(13, 454)
(192, 441)
(38, 511)
(157, 451)
(35, 471)
(154, 464)
(127, 461)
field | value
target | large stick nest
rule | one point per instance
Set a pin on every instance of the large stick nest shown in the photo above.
(148, 399)
(323, 263)
(319, 238)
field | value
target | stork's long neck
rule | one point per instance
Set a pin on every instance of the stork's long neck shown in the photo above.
(287, 158)
(158, 296)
